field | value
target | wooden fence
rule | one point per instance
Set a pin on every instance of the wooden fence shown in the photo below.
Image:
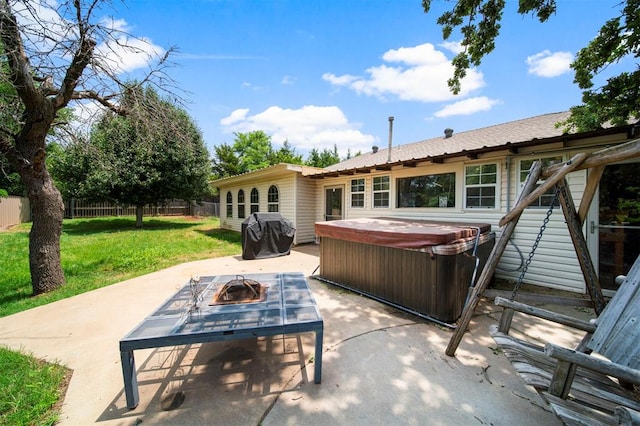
(14, 210)
(79, 208)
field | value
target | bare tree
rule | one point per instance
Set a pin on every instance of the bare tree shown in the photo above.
(53, 55)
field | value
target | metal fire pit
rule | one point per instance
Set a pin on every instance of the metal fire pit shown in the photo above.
(240, 290)
(288, 308)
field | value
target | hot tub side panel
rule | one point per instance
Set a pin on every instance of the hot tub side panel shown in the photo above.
(435, 285)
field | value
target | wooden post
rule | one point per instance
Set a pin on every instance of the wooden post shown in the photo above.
(580, 245)
(589, 192)
(492, 262)
(614, 154)
(547, 185)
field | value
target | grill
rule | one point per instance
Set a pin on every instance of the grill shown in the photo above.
(240, 290)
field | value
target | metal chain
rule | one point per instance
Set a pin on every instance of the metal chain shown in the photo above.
(535, 244)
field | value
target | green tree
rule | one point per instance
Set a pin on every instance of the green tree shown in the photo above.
(617, 101)
(251, 151)
(46, 60)
(153, 154)
(225, 161)
(10, 183)
(323, 158)
(286, 154)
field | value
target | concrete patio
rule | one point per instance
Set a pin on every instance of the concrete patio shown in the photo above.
(380, 365)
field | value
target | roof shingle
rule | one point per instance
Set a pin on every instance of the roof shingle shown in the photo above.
(528, 129)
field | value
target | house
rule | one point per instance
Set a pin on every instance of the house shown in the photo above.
(472, 176)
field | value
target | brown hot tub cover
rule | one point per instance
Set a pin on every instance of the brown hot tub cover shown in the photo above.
(400, 233)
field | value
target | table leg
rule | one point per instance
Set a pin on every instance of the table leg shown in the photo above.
(317, 372)
(130, 378)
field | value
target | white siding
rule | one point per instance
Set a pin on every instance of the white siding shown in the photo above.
(305, 203)
(554, 264)
(297, 204)
(286, 195)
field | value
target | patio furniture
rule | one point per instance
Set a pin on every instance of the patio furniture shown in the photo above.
(579, 387)
(204, 310)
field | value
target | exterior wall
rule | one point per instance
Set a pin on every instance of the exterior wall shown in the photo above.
(288, 207)
(302, 200)
(305, 202)
(554, 264)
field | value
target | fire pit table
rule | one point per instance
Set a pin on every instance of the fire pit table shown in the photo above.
(226, 307)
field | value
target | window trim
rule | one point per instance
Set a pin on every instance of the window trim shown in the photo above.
(362, 193)
(254, 206)
(229, 204)
(420, 196)
(374, 192)
(271, 204)
(241, 204)
(496, 186)
(551, 159)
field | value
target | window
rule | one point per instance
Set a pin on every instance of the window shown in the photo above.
(480, 186)
(357, 193)
(255, 201)
(241, 204)
(229, 204)
(273, 199)
(381, 191)
(545, 199)
(427, 191)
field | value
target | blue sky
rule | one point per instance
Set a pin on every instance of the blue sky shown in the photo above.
(319, 73)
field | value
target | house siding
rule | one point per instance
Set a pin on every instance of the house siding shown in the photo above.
(286, 194)
(305, 202)
(296, 203)
(554, 264)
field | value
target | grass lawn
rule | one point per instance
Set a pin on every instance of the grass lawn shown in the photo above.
(95, 253)
(102, 251)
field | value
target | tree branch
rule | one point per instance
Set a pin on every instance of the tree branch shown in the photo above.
(19, 67)
(102, 100)
(80, 60)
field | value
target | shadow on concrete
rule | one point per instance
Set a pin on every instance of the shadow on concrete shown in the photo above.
(217, 375)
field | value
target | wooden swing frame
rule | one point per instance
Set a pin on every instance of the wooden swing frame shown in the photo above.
(553, 176)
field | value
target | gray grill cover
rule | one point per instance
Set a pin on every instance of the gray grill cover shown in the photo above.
(266, 235)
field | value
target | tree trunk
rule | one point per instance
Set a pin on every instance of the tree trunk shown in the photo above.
(47, 212)
(139, 211)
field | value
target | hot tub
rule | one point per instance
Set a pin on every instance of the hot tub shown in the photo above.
(425, 267)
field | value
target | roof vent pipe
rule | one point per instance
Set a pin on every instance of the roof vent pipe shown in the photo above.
(448, 132)
(374, 149)
(390, 137)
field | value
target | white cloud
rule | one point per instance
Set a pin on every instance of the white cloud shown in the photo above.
(235, 117)
(547, 64)
(417, 73)
(467, 107)
(126, 54)
(452, 46)
(343, 80)
(305, 128)
(288, 80)
(123, 53)
(86, 113)
(116, 25)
